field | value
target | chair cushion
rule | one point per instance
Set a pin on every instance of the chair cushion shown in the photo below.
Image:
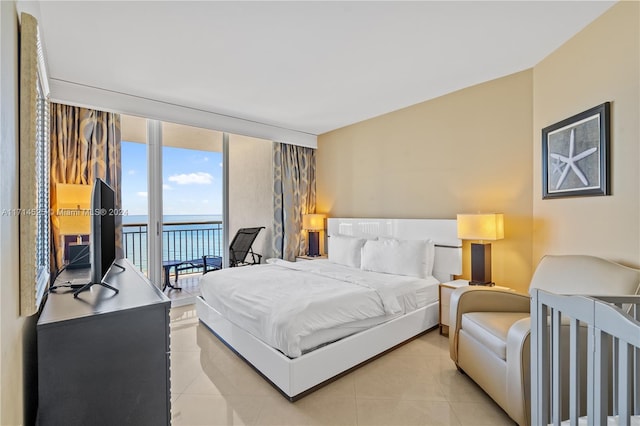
(491, 328)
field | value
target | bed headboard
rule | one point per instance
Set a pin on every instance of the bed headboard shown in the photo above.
(443, 232)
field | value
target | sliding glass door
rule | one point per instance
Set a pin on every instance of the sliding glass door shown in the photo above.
(135, 191)
(187, 191)
(192, 198)
(172, 193)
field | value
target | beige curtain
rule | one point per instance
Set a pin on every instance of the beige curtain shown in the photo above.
(85, 144)
(294, 194)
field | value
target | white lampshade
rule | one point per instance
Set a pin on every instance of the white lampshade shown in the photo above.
(481, 226)
(313, 222)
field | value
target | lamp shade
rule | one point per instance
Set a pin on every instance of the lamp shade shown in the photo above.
(73, 203)
(481, 226)
(313, 222)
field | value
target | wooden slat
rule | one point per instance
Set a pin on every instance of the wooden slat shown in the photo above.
(624, 383)
(535, 416)
(540, 361)
(591, 386)
(614, 373)
(636, 367)
(600, 378)
(556, 363)
(574, 372)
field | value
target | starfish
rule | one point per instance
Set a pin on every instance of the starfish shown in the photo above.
(557, 166)
(571, 160)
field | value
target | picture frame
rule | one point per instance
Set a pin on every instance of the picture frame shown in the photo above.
(575, 155)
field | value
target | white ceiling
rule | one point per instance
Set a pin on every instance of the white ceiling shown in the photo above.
(306, 66)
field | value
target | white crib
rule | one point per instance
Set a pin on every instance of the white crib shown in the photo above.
(612, 361)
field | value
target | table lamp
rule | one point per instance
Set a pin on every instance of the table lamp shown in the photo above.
(481, 227)
(73, 202)
(313, 223)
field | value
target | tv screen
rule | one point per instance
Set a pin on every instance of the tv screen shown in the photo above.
(103, 230)
(102, 241)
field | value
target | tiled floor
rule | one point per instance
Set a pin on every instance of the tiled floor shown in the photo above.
(190, 285)
(417, 384)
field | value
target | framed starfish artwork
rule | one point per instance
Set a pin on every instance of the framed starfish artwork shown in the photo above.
(575, 155)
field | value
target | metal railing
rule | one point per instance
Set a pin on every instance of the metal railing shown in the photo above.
(180, 241)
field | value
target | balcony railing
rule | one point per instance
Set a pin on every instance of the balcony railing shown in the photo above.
(180, 241)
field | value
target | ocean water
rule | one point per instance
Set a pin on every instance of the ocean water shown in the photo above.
(187, 238)
(135, 218)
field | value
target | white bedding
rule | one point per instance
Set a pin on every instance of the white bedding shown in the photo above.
(297, 306)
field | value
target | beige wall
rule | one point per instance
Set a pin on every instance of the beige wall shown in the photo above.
(17, 334)
(479, 150)
(134, 129)
(251, 189)
(599, 64)
(466, 152)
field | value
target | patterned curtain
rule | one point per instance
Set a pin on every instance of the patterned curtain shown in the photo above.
(85, 144)
(294, 194)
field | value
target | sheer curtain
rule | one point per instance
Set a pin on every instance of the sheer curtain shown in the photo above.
(85, 144)
(294, 194)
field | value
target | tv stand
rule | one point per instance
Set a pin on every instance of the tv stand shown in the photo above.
(102, 283)
(105, 361)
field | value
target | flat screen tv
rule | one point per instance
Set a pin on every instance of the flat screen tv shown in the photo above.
(102, 241)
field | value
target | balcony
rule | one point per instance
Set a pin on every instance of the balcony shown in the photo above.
(180, 241)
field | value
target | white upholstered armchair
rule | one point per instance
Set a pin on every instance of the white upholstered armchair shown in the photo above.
(490, 329)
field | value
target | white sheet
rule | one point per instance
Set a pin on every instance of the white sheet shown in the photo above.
(282, 303)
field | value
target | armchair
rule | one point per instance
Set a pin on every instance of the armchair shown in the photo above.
(489, 335)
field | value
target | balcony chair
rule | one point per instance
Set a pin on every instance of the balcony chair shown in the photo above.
(490, 329)
(240, 251)
(240, 254)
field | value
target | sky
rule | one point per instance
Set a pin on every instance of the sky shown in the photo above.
(191, 180)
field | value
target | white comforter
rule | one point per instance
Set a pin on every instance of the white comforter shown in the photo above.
(282, 302)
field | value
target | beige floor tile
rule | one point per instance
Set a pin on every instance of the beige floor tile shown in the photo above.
(398, 377)
(185, 367)
(190, 285)
(344, 387)
(195, 410)
(183, 337)
(460, 388)
(429, 344)
(391, 412)
(183, 314)
(203, 385)
(236, 378)
(485, 413)
(228, 373)
(415, 384)
(318, 410)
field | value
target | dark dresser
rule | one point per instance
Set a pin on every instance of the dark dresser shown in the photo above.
(103, 358)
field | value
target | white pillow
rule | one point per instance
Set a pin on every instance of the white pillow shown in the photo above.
(345, 250)
(430, 254)
(401, 257)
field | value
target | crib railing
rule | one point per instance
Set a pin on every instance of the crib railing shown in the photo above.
(612, 358)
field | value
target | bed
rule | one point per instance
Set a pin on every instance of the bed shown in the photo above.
(302, 324)
(611, 394)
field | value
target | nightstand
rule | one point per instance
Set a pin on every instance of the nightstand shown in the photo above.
(444, 294)
(300, 258)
